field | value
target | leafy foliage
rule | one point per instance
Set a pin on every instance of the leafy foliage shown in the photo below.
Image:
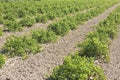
(21, 46)
(42, 11)
(2, 60)
(12, 26)
(21, 12)
(41, 18)
(60, 28)
(1, 32)
(27, 21)
(43, 36)
(1, 20)
(94, 48)
(51, 16)
(78, 68)
(10, 17)
(101, 36)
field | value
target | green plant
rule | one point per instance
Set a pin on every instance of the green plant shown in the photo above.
(32, 11)
(41, 18)
(21, 46)
(95, 48)
(101, 36)
(41, 10)
(27, 21)
(9, 16)
(21, 12)
(78, 68)
(12, 26)
(51, 15)
(1, 32)
(44, 36)
(2, 60)
(1, 20)
(110, 30)
(60, 28)
(70, 23)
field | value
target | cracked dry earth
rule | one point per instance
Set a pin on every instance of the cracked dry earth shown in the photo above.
(35, 67)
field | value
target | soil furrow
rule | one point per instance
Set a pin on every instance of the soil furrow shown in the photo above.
(36, 66)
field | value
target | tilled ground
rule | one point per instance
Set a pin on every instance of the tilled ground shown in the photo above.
(38, 65)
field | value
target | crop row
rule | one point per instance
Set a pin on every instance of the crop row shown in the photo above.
(96, 46)
(68, 23)
(17, 15)
(97, 42)
(22, 46)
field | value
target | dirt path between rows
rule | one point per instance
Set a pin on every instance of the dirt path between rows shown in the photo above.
(112, 69)
(36, 66)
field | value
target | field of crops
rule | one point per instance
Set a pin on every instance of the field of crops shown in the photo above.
(49, 47)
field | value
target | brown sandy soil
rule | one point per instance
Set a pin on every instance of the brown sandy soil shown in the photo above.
(38, 65)
(112, 69)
